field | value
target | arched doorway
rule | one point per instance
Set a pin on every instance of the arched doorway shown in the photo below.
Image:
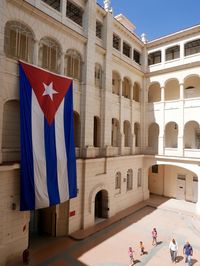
(101, 205)
(174, 182)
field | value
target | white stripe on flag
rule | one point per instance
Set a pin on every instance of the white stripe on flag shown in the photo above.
(61, 154)
(39, 159)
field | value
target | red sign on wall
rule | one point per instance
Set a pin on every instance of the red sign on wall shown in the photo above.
(72, 213)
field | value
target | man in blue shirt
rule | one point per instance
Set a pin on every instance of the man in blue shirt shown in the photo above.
(188, 251)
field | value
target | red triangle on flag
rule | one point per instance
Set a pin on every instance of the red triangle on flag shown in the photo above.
(49, 88)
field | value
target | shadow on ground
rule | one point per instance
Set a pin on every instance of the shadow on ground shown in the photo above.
(44, 251)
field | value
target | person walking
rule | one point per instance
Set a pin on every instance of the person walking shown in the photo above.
(188, 251)
(154, 236)
(130, 253)
(141, 248)
(173, 247)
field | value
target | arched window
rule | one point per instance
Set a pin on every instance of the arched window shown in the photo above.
(126, 88)
(73, 64)
(115, 133)
(154, 93)
(137, 134)
(129, 179)
(127, 134)
(49, 54)
(118, 180)
(19, 41)
(171, 135)
(192, 86)
(136, 92)
(192, 135)
(172, 90)
(115, 83)
(77, 127)
(11, 131)
(98, 75)
(96, 137)
(153, 134)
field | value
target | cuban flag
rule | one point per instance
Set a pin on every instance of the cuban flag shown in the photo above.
(48, 160)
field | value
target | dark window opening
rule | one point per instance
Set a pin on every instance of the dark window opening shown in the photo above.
(74, 13)
(154, 169)
(192, 47)
(154, 58)
(172, 53)
(116, 42)
(126, 49)
(136, 56)
(99, 29)
(53, 3)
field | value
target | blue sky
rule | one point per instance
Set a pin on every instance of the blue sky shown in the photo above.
(158, 17)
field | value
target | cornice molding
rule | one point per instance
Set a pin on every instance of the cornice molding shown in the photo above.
(173, 69)
(174, 36)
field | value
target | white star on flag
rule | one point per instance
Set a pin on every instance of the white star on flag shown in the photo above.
(49, 90)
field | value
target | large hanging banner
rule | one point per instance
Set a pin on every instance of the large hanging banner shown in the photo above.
(48, 160)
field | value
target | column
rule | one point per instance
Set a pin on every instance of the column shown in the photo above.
(107, 86)
(181, 124)
(63, 9)
(87, 93)
(198, 199)
(131, 122)
(62, 64)
(181, 91)
(161, 140)
(145, 182)
(36, 53)
(131, 94)
(163, 56)
(143, 116)
(161, 145)
(162, 90)
(121, 118)
(181, 50)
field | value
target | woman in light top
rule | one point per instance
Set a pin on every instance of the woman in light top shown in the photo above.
(173, 248)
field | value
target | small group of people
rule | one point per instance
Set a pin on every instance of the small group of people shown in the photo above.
(141, 245)
(173, 247)
(187, 251)
(130, 252)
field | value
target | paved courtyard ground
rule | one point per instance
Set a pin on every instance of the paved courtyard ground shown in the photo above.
(109, 247)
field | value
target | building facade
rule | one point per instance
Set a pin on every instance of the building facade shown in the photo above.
(136, 106)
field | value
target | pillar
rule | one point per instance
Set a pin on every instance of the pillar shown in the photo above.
(62, 64)
(181, 124)
(36, 53)
(181, 91)
(162, 89)
(145, 182)
(198, 199)
(63, 9)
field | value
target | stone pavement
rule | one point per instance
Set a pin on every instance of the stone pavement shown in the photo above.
(109, 246)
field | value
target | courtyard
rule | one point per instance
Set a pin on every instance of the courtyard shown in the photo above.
(109, 247)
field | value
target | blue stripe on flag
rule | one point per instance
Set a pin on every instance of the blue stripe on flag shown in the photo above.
(69, 142)
(51, 163)
(27, 197)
